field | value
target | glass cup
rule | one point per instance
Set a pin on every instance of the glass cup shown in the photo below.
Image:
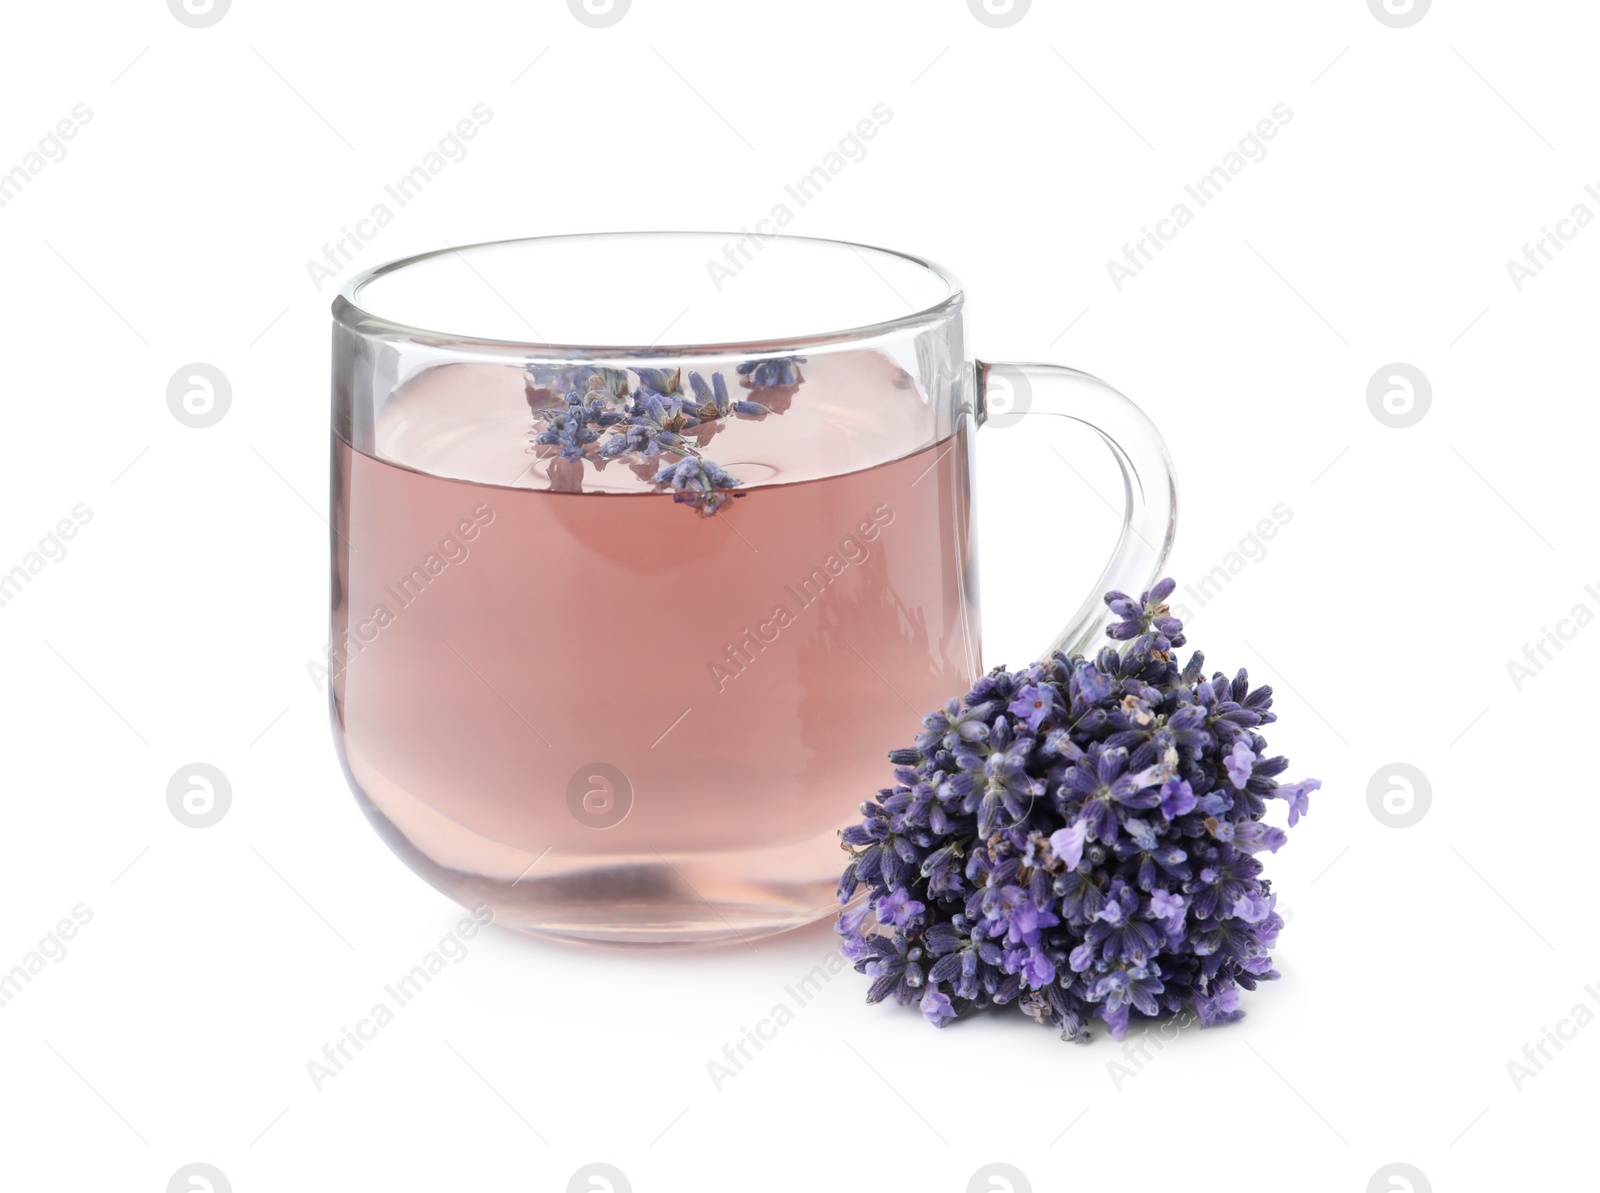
(647, 548)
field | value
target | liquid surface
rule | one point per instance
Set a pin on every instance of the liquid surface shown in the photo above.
(854, 410)
(614, 718)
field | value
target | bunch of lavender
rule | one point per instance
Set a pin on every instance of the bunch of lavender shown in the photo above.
(1078, 838)
(606, 416)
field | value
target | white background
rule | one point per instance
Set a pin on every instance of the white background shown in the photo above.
(1418, 961)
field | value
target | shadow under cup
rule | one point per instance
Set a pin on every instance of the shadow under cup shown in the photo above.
(622, 633)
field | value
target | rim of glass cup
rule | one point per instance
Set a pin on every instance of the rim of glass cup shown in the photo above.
(349, 313)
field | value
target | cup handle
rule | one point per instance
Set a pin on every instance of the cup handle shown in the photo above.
(1009, 393)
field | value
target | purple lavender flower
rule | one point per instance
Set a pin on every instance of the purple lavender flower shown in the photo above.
(698, 482)
(1080, 838)
(1136, 986)
(569, 431)
(1033, 705)
(775, 372)
(936, 1007)
(1240, 762)
(1221, 1007)
(1093, 685)
(1252, 909)
(602, 419)
(1299, 797)
(1037, 969)
(1142, 834)
(1254, 837)
(1177, 798)
(563, 380)
(712, 401)
(1148, 615)
(659, 382)
(1164, 905)
(1067, 844)
(898, 908)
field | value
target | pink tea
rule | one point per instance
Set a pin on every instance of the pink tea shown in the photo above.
(558, 691)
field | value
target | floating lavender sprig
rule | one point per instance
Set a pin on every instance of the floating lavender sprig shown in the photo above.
(775, 372)
(605, 417)
(1078, 838)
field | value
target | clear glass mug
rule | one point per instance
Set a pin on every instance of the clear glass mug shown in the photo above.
(647, 548)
